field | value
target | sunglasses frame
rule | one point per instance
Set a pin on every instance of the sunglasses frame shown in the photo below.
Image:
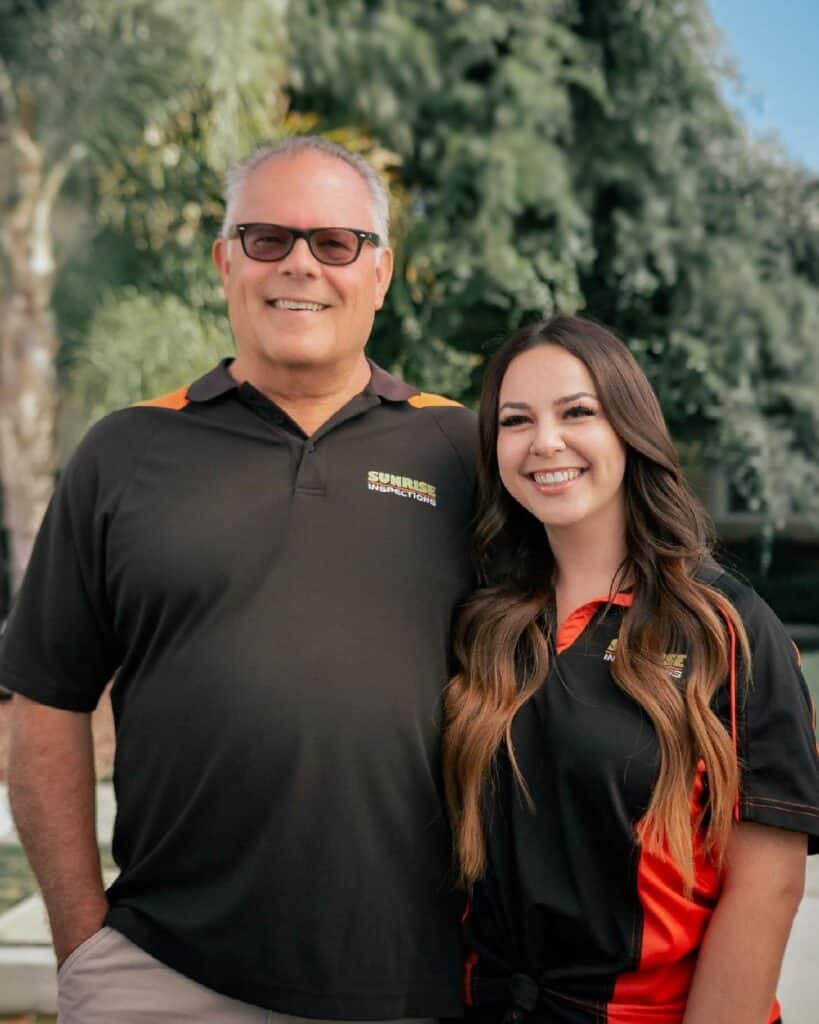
(239, 231)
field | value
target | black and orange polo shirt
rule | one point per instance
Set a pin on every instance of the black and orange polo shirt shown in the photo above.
(277, 611)
(575, 920)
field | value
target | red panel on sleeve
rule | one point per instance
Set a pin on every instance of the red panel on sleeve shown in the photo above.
(673, 930)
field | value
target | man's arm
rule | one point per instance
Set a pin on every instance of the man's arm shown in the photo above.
(52, 794)
(741, 955)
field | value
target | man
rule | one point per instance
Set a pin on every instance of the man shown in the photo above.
(269, 559)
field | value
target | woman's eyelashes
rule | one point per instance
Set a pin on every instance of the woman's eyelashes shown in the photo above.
(572, 412)
(576, 411)
(513, 420)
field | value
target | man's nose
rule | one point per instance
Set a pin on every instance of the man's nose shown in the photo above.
(299, 260)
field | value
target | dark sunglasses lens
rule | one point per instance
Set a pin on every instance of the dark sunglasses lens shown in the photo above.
(267, 241)
(334, 245)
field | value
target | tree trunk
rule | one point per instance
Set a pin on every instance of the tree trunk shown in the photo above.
(27, 415)
(28, 349)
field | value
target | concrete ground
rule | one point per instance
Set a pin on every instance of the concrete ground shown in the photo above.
(27, 967)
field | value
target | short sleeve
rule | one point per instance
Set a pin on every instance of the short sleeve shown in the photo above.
(779, 762)
(59, 646)
(460, 427)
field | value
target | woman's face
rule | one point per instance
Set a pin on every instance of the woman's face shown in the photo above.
(558, 455)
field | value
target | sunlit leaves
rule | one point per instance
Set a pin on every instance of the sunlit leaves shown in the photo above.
(542, 154)
(141, 345)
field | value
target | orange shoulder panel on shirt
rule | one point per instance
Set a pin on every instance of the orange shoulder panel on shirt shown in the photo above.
(175, 400)
(424, 400)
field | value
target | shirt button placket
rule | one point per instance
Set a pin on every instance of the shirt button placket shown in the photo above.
(310, 476)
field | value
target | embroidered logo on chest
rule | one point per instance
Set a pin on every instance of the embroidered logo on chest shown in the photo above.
(403, 486)
(673, 663)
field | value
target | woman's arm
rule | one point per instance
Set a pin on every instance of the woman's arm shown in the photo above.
(741, 955)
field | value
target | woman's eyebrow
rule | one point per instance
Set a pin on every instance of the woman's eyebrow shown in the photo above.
(513, 405)
(557, 401)
(571, 398)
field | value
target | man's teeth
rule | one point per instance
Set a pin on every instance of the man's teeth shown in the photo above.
(312, 307)
(561, 477)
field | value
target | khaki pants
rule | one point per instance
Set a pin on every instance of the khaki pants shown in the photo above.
(109, 980)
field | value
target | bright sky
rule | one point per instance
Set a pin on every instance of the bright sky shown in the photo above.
(775, 44)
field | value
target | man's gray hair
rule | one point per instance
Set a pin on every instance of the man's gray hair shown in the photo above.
(240, 172)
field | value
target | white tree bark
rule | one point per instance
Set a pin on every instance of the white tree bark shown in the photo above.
(28, 341)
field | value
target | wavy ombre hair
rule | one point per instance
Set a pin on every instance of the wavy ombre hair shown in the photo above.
(502, 637)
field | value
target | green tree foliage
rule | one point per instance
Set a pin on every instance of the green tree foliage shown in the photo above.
(159, 205)
(87, 90)
(78, 79)
(143, 345)
(88, 73)
(475, 98)
(703, 244)
(577, 155)
(544, 155)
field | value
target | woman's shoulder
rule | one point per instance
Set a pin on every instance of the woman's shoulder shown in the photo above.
(760, 620)
(731, 585)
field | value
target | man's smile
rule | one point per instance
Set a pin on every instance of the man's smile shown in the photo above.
(297, 305)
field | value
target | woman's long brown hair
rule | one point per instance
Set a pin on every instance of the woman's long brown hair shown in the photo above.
(502, 634)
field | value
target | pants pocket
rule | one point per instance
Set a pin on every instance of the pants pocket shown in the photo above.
(76, 955)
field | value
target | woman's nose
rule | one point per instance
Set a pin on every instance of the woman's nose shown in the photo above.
(548, 440)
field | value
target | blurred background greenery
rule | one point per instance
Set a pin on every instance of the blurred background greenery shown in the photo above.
(810, 666)
(542, 155)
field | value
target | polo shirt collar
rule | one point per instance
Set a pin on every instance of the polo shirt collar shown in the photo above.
(218, 381)
(574, 625)
(383, 384)
(214, 383)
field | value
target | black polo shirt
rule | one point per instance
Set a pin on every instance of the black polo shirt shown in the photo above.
(574, 911)
(277, 610)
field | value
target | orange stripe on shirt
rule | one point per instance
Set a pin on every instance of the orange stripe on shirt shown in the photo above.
(424, 400)
(673, 927)
(175, 400)
(733, 694)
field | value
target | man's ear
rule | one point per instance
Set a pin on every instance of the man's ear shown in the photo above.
(221, 257)
(383, 275)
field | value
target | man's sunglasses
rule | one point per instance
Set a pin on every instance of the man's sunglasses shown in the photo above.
(271, 242)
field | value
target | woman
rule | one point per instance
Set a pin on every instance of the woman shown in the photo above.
(629, 757)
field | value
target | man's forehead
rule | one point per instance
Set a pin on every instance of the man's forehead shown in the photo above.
(305, 185)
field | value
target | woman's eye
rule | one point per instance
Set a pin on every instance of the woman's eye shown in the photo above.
(577, 411)
(513, 421)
